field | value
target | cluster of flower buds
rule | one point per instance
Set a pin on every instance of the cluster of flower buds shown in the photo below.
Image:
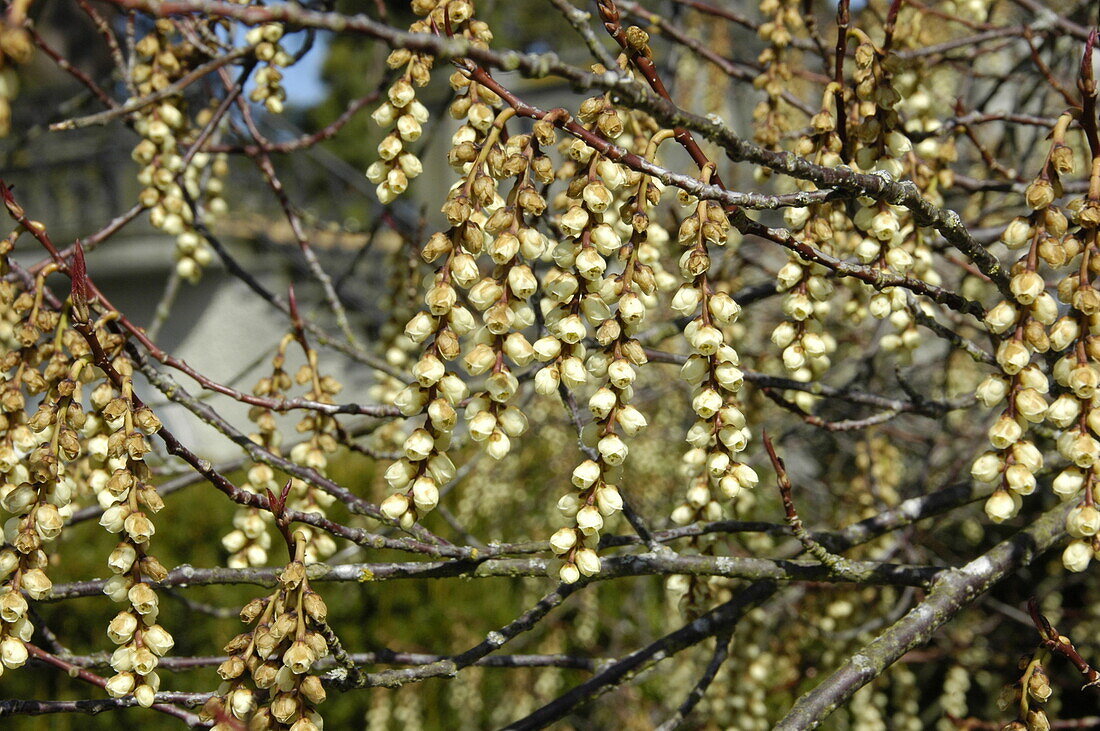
(928, 163)
(436, 392)
(61, 451)
(266, 681)
(503, 297)
(405, 116)
(720, 433)
(1027, 696)
(923, 107)
(1074, 245)
(889, 238)
(771, 116)
(1021, 325)
(165, 127)
(574, 299)
(402, 111)
(805, 345)
(129, 500)
(313, 452)
(881, 144)
(480, 221)
(249, 541)
(269, 90)
(616, 306)
(36, 451)
(16, 48)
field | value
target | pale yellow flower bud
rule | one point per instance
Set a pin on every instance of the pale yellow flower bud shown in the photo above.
(784, 334)
(605, 239)
(1019, 479)
(418, 445)
(601, 402)
(120, 685)
(1076, 556)
(794, 357)
(686, 300)
(139, 528)
(1012, 356)
(1027, 286)
(14, 653)
(590, 264)
(1084, 381)
(502, 385)
(609, 500)
(420, 327)
(563, 540)
(587, 562)
(745, 475)
(1005, 432)
(410, 400)
(612, 449)
(142, 598)
(631, 420)
(729, 376)
(706, 403)
(1083, 521)
(425, 494)
(987, 467)
(1064, 410)
(569, 574)
(1044, 308)
(589, 520)
(122, 627)
(1031, 405)
(1018, 233)
(546, 380)
(240, 702)
(299, 657)
(885, 225)
(399, 474)
(1001, 317)
(867, 250)
(394, 506)
(789, 275)
(1000, 506)
(1064, 333)
(453, 388)
(1068, 483)
(621, 373)
(733, 438)
(571, 329)
(1039, 194)
(695, 369)
(1082, 450)
(573, 372)
(1028, 455)
(482, 426)
(798, 307)
(705, 339)
(596, 196)
(991, 391)
(573, 221)
(157, 639)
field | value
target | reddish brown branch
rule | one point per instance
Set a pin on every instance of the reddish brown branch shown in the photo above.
(1059, 644)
